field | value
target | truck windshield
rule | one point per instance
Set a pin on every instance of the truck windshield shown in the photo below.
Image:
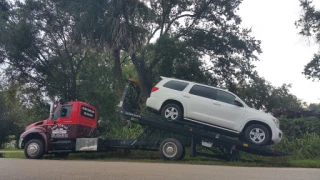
(56, 112)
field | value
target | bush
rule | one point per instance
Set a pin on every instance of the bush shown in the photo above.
(305, 147)
(297, 128)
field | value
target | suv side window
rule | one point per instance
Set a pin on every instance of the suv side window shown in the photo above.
(176, 85)
(202, 91)
(225, 97)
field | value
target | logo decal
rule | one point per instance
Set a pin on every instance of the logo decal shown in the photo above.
(59, 131)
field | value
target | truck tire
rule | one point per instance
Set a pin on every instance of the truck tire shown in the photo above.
(183, 153)
(171, 112)
(34, 149)
(171, 149)
(257, 134)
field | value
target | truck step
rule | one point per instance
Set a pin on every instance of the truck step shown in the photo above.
(60, 151)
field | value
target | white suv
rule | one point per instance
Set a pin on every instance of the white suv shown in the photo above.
(213, 107)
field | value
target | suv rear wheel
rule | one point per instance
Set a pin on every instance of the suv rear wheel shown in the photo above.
(172, 112)
(257, 134)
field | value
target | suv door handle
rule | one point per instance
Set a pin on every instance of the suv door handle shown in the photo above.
(186, 96)
(217, 104)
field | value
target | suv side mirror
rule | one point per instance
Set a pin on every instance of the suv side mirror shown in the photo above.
(237, 103)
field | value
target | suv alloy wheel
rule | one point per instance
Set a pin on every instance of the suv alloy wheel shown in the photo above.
(171, 112)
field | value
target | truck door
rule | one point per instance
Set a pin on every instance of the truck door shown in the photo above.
(63, 126)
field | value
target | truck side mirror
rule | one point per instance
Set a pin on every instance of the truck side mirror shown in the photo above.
(51, 116)
(51, 110)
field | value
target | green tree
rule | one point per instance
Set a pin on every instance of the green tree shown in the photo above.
(14, 114)
(4, 14)
(314, 107)
(309, 25)
(260, 94)
(6, 123)
(209, 28)
(115, 26)
(146, 29)
(41, 49)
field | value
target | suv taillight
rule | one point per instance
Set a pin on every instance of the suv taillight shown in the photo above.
(154, 89)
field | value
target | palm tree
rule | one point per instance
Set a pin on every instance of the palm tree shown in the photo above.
(113, 26)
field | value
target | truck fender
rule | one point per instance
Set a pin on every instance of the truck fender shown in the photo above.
(36, 133)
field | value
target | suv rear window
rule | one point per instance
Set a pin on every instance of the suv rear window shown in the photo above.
(225, 97)
(176, 85)
(202, 91)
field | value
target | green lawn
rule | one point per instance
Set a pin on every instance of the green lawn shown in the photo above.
(2, 150)
(147, 156)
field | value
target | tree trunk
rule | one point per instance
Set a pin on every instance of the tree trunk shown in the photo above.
(144, 75)
(118, 72)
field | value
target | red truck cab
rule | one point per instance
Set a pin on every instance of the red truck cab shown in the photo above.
(58, 134)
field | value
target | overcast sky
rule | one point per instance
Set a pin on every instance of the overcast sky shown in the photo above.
(285, 53)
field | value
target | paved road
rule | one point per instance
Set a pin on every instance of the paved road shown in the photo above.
(15, 169)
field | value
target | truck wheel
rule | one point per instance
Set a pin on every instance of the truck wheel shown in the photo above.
(257, 134)
(34, 149)
(171, 149)
(183, 153)
(61, 155)
(171, 112)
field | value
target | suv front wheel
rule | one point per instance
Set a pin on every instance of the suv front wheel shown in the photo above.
(171, 112)
(257, 134)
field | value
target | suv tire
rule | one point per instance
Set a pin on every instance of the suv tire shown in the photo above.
(257, 134)
(171, 112)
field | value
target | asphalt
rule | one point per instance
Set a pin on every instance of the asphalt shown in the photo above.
(25, 169)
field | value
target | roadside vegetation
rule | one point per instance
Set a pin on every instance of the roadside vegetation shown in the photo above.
(86, 50)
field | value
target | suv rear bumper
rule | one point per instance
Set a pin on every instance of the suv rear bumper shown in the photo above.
(153, 103)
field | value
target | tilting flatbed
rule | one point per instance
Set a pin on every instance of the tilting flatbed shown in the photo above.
(197, 135)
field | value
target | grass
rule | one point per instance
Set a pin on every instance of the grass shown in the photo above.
(153, 157)
(2, 150)
(14, 155)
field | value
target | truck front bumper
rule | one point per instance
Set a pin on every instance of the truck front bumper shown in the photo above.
(20, 143)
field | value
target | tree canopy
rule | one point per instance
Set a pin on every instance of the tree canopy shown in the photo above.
(85, 50)
(309, 25)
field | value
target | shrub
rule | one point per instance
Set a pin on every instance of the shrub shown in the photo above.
(297, 128)
(305, 147)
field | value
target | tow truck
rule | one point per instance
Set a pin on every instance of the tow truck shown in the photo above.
(72, 128)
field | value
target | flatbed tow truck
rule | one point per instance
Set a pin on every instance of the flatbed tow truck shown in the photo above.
(72, 129)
